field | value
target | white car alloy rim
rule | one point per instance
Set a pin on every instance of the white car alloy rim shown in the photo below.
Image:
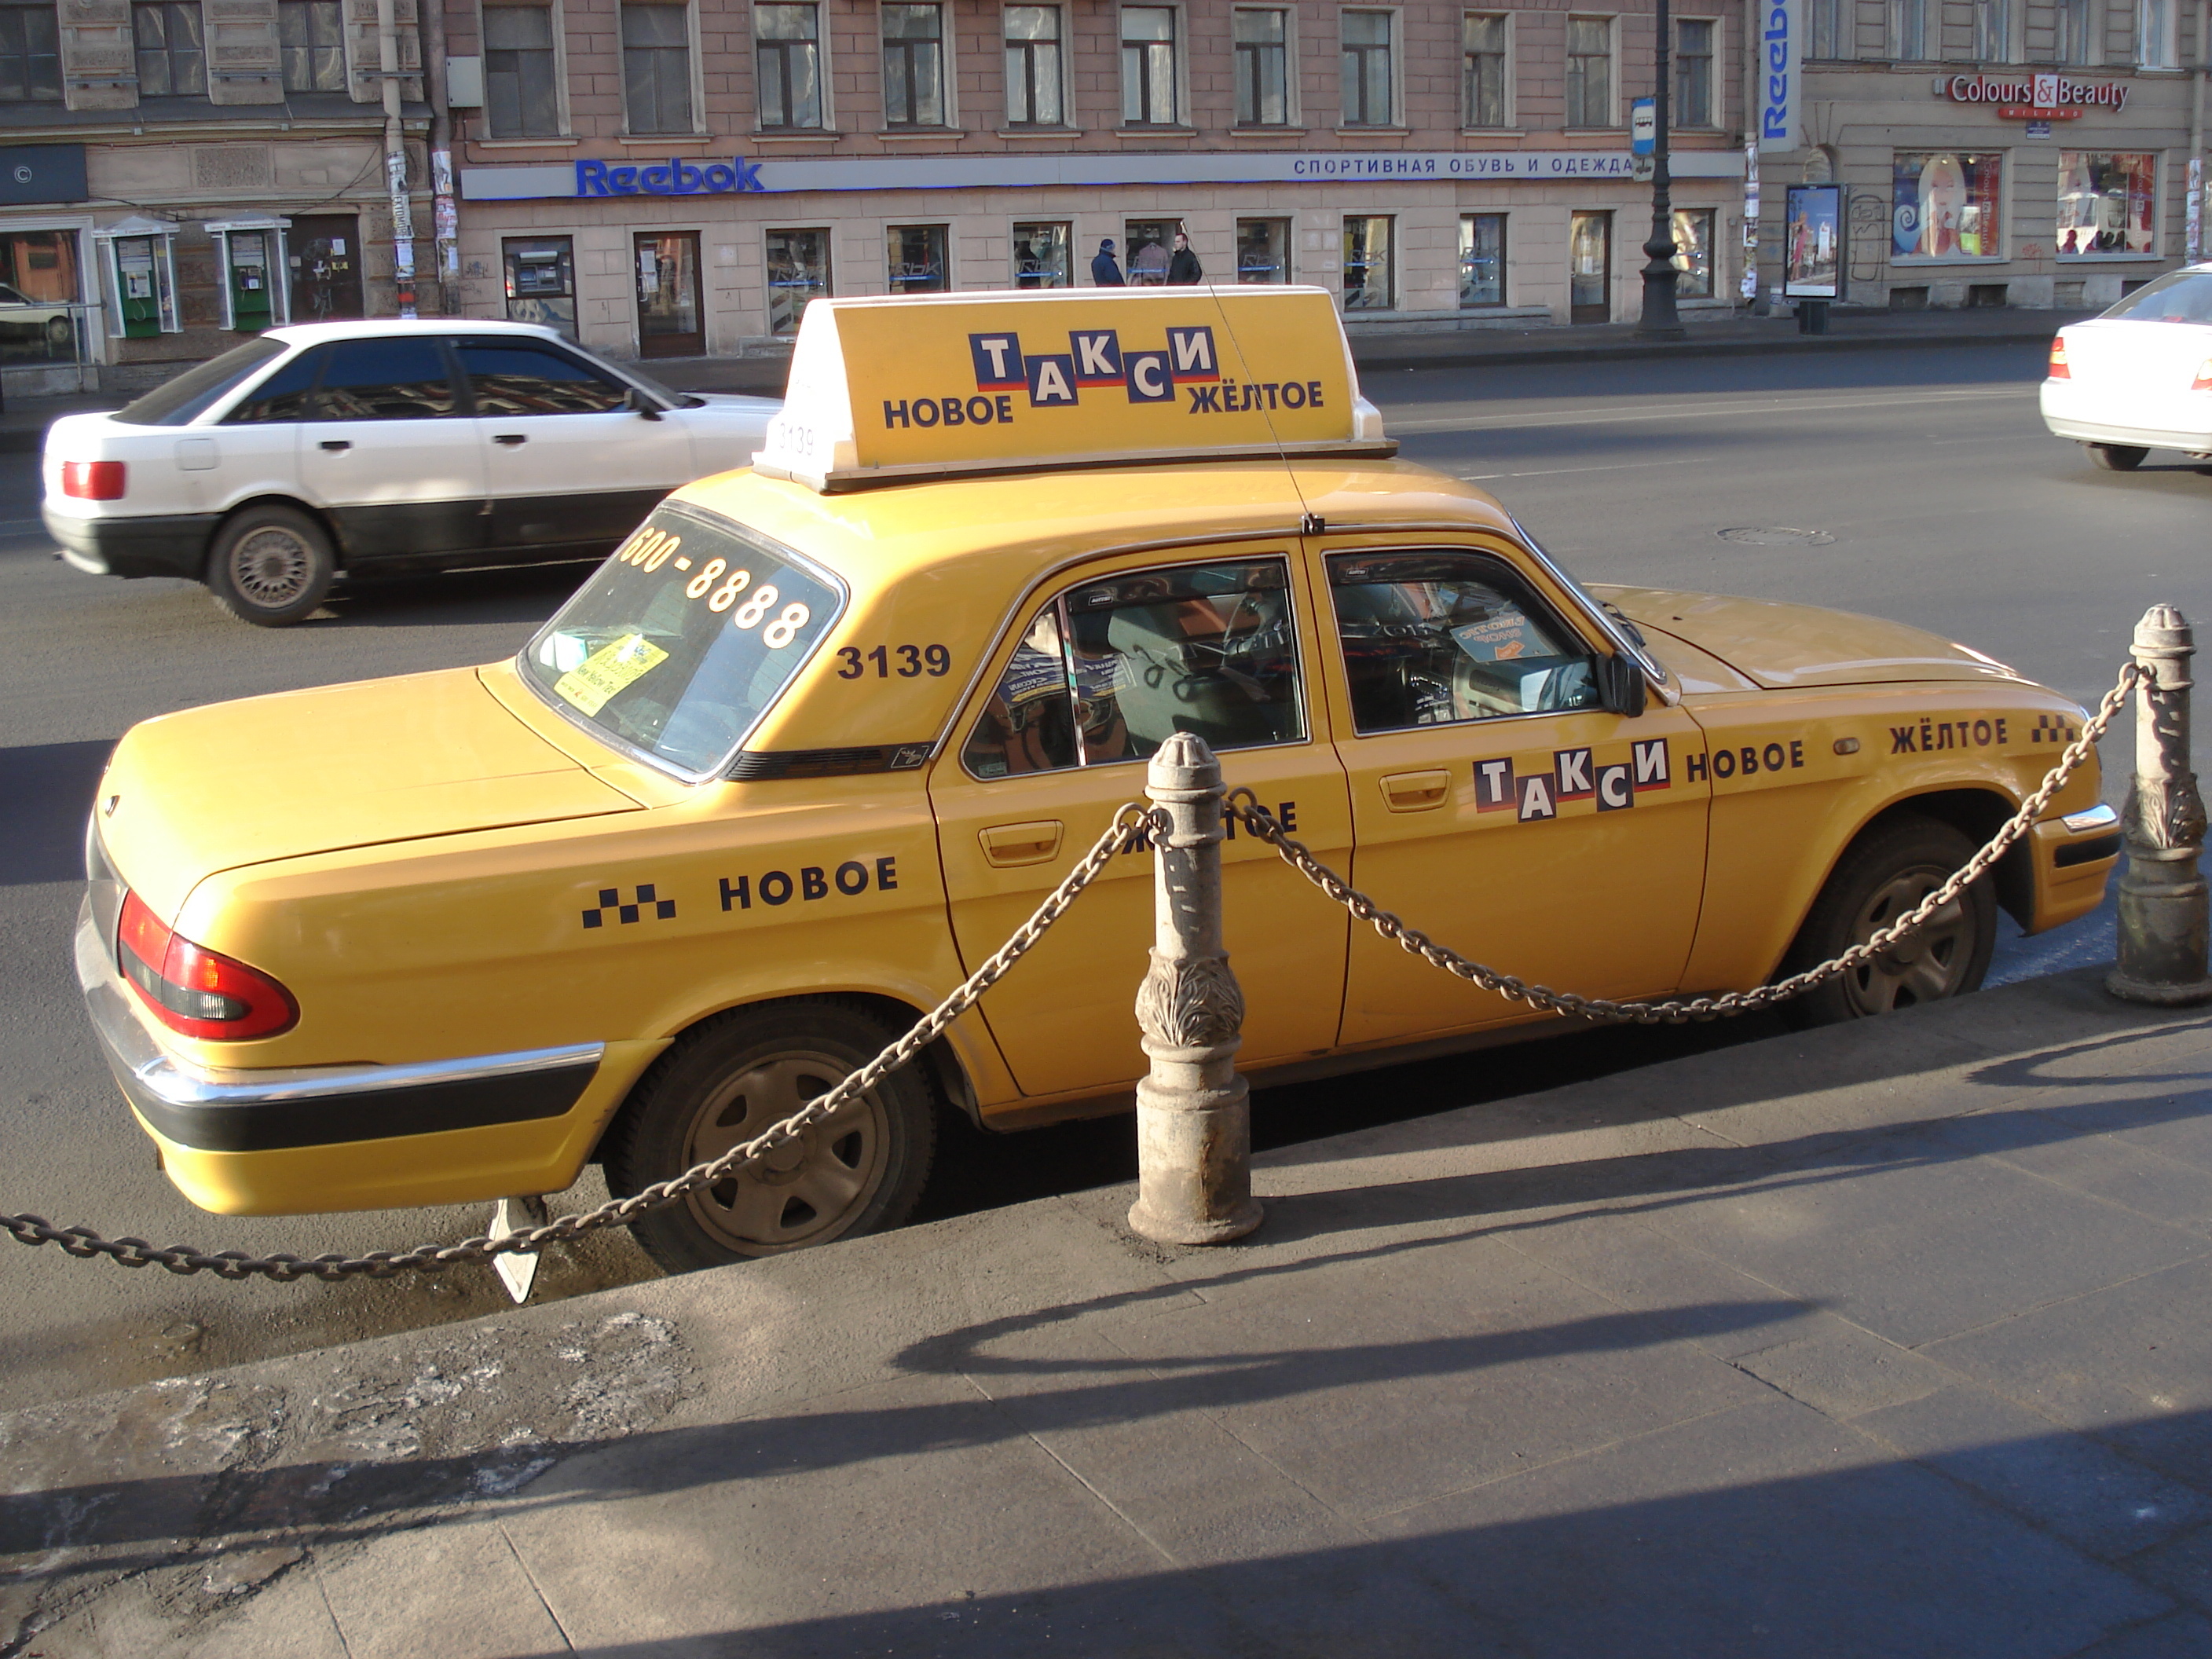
(270, 568)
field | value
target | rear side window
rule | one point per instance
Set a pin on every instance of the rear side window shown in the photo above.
(175, 403)
(1112, 668)
(531, 380)
(285, 395)
(2180, 296)
(388, 379)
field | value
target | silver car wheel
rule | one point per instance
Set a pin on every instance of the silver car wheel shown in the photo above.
(271, 567)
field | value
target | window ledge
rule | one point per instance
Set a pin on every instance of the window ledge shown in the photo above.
(1591, 132)
(1493, 132)
(797, 135)
(648, 140)
(920, 135)
(526, 143)
(1039, 132)
(2105, 258)
(1374, 132)
(1264, 132)
(1927, 261)
(1155, 133)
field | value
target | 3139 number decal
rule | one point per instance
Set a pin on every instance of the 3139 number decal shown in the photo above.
(933, 660)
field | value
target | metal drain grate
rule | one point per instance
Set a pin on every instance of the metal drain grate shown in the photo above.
(1776, 536)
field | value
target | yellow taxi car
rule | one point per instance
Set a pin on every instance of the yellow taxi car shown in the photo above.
(808, 747)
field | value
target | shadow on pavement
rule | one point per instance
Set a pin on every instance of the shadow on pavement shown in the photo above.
(46, 796)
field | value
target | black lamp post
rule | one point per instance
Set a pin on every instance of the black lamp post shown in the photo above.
(1660, 321)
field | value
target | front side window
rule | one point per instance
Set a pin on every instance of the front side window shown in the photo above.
(520, 97)
(1482, 258)
(789, 54)
(1263, 249)
(798, 271)
(1043, 254)
(2158, 44)
(1148, 66)
(1367, 272)
(30, 53)
(1437, 638)
(1483, 68)
(171, 55)
(684, 638)
(1993, 31)
(311, 45)
(2075, 43)
(1589, 72)
(1944, 205)
(528, 379)
(1367, 70)
(397, 379)
(1694, 252)
(1033, 71)
(1693, 73)
(656, 42)
(916, 257)
(1112, 668)
(914, 66)
(2180, 296)
(1908, 29)
(2106, 202)
(1263, 76)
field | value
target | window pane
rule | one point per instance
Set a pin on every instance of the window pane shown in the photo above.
(519, 28)
(1148, 23)
(1043, 256)
(916, 257)
(1432, 639)
(1201, 648)
(520, 96)
(30, 54)
(1263, 249)
(395, 379)
(1148, 71)
(2180, 296)
(657, 68)
(2106, 204)
(284, 396)
(1260, 28)
(1945, 205)
(1029, 725)
(1485, 51)
(1367, 264)
(1482, 260)
(785, 23)
(1694, 252)
(531, 380)
(797, 271)
(1032, 22)
(1262, 68)
(911, 23)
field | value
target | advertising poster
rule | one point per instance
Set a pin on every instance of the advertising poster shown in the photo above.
(1813, 242)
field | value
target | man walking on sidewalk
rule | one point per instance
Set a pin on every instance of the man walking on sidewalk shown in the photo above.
(1104, 272)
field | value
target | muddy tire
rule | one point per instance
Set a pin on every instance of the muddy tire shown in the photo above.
(270, 566)
(731, 1078)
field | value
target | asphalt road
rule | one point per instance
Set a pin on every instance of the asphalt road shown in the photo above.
(1941, 500)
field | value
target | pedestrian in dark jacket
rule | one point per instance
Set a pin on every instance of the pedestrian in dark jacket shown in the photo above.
(1103, 271)
(1183, 268)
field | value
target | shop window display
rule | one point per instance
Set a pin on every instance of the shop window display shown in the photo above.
(1041, 255)
(1263, 249)
(1944, 206)
(915, 256)
(1368, 284)
(1693, 253)
(797, 271)
(2106, 204)
(1482, 258)
(37, 287)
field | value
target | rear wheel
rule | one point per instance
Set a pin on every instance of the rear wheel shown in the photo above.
(2116, 458)
(1878, 880)
(860, 1172)
(270, 566)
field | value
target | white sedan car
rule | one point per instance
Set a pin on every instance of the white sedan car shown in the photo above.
(354, 447)
(2139, 377)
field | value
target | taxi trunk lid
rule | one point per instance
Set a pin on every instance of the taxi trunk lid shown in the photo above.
(189, 794)
(1779, 645)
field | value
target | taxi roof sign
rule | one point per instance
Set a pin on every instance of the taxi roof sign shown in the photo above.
(896, 389)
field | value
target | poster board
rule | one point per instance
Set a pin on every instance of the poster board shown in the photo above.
(1813, 242)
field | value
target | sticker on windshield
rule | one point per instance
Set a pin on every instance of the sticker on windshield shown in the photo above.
(593, 682)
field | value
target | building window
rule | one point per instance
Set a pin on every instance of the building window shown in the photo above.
(1483, 38)
(172, 60)
(1693, 73)
(1481, 259)
(1828, 25)
(1908, 29)
(1694, 252)
(311, 45)
(1043, 255)
(915, 254)
(914, 66)
(2157, 45)
(521, 96)
(2075, 43)
(30, 53)
(789, 53)
(1589, 72)
(1144, 244)
(797, 271)
(2106, 204)
(1945, 206)
(541, 281)
(1148, 66)
(1993, 31)
(1033, 72)
(38, 286)
(656, 40)
(1263, 68)
(1367, 274)
(1263, 249)
(1367, 70)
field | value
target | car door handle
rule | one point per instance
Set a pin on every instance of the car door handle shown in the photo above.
(1415, 792)
(510, 439)
(337, 444)
(1009, 844)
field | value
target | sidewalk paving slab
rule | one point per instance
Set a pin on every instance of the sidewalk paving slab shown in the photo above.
(1890, 1338)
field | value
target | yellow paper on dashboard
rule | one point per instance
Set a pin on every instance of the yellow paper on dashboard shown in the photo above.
(594, 682)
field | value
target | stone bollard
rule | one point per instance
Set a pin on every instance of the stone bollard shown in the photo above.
(1194, 1111)
(2164, 902)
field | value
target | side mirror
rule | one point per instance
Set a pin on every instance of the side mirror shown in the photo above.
(1621, 686)
(638, 403)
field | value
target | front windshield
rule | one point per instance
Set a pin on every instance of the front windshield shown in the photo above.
(174, 403)
(2180, 296)
(681, 640)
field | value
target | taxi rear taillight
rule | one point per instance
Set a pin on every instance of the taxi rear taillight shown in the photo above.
(195, 992)
(93, 481)
(2058, 369)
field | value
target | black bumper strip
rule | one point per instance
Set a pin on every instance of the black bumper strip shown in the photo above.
(417, 1109)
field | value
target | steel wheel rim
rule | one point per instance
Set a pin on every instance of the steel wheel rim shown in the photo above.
(806, 1194)
(271, 566)
(1928, 965)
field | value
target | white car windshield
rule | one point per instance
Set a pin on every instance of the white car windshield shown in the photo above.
(680, 642)
(2180, 296)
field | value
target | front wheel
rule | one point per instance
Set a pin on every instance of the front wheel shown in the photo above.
(861, 1171)
(270, 566)
(2116, 458)
(1877, 881)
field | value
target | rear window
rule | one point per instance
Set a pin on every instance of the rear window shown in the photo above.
(2180, 296)
(683, 640)
(176, 403)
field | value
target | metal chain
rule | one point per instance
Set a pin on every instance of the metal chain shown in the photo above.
(1243, 806)
(621, 1211)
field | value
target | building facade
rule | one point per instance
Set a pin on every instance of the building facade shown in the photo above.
(659, 178)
